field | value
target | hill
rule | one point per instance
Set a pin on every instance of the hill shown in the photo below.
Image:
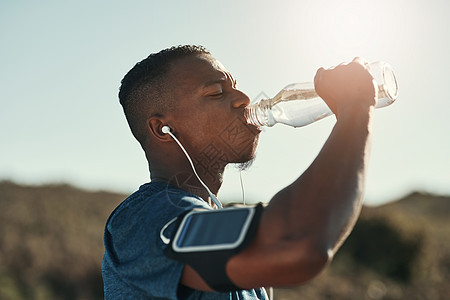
(51, 246)
(51, 241)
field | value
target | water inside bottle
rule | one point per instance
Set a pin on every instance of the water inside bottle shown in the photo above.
(299, 113)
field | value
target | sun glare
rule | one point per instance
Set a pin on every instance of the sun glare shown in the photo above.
(350, 25)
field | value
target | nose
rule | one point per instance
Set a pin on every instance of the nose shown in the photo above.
(240, 99)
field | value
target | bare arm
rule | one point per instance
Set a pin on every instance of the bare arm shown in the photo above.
(306, 222)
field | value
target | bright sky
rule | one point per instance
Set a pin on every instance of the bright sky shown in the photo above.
(62, 62)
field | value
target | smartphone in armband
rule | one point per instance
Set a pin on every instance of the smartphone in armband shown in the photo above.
(207, 239)
(211, 230)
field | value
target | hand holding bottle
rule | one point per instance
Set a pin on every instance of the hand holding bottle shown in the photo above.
(346, 85)
(298, 104)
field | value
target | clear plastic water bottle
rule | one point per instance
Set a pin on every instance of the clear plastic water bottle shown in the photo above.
(298, 104)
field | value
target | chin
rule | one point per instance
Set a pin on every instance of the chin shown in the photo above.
(247, 158)
(243, 166)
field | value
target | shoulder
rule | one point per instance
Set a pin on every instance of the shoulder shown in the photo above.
(132, 231)
(150, 207)
(133, 246)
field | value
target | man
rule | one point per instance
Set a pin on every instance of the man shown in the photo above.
(298, 232)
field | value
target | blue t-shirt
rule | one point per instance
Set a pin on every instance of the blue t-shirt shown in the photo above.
(134, 265)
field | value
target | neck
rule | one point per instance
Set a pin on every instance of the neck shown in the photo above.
(180, 174)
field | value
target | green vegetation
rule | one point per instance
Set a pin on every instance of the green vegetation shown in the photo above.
(51, 246)
(51, 241)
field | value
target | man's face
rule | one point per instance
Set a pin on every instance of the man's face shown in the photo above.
(209, 113)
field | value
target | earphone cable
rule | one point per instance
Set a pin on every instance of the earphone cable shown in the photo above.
(213, 197)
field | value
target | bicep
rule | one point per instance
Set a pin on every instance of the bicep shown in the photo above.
(272, 257)
(276, 257)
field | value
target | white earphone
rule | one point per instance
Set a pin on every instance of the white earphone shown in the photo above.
(165, 129)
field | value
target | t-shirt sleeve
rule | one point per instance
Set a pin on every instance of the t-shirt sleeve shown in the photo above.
(134, 249)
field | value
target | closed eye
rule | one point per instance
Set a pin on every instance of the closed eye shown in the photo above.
(215, 90)
(217, 95)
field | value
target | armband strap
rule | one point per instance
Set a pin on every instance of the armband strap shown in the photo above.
(211, 264)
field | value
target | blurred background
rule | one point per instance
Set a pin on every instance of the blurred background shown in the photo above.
(62, 129)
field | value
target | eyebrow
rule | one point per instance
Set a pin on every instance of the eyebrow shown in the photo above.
(215, 81)
(226, 76)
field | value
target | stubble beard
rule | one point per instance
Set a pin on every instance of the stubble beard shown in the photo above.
(244, 166)
(248, 161)
(235, 145)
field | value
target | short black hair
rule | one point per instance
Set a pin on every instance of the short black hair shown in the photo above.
(144, 92)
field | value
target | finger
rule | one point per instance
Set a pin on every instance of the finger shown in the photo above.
(361, 61)
(319, 74)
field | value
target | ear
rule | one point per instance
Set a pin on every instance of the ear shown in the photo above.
(155, 125)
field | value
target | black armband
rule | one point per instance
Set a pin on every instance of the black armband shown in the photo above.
(207, 239)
